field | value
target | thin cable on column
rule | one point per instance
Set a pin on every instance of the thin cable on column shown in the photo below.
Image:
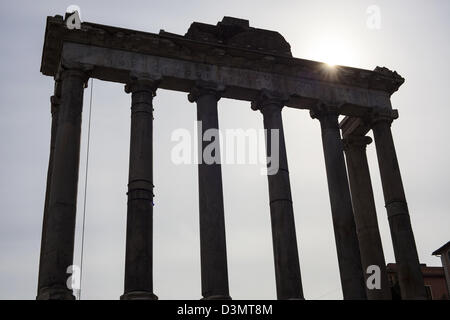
(85, 188)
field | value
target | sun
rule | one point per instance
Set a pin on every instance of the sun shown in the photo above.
(333, 51)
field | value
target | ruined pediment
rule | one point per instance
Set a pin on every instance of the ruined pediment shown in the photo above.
(236, 32)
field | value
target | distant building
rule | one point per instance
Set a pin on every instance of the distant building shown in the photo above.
(437, 279)
(433, 277)
(444, 252)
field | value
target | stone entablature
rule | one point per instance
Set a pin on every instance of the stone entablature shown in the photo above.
(182, 60)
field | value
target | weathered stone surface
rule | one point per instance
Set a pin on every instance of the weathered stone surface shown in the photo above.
(349, 258)
(55, 101)
(139, 241)
(236, 32)
(213, 251)
(181, 61)
(287, 266)
(365, 214)
(409, 273)
(59, 218)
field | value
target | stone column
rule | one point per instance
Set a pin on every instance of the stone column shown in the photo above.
(287, 267)
(365, 214)
(139, 239)
(409, 273)
(349, 258)
(213, 251)
(55, 101)
(60, 211)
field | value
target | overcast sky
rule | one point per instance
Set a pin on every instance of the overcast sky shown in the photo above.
(412, 39)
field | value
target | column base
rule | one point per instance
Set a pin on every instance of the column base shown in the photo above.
(55, 294)
(138, 295)
(217, 297)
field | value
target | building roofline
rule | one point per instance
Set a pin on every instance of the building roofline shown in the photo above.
(439, 251)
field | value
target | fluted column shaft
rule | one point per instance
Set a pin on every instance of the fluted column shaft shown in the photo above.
(287, 266)
(409, 273)
(347, 246)
(365, 214)
(60, 210)
(213, 253)
(139, 238)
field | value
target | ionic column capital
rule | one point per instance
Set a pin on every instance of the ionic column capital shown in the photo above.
(269, 101)
(356, 142)
(202, 88)
(74, 69)
(326, 113)
(142, 82)
(382, 116)
(75, 73)
(322, 109)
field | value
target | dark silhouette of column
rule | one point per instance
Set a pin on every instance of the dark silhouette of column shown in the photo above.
(139, 239)
(409, 274)
(55, 101)
(365, 214)
(213, 251)
(60, 209)
(287, 267)
(352, 278)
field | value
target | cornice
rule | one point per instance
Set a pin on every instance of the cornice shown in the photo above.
(179, 47)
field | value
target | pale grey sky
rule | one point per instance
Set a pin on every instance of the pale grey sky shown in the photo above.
(413, 39)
